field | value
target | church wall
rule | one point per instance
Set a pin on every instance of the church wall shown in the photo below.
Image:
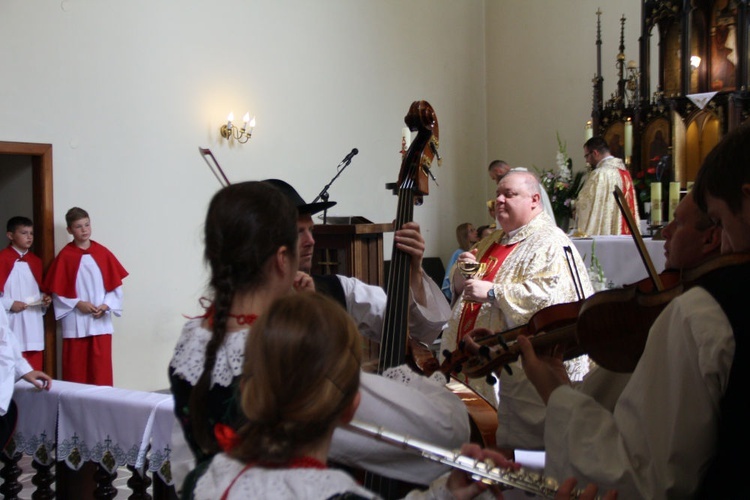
(541, 58)
(126, 92)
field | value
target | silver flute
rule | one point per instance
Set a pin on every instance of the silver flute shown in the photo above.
(488, 473)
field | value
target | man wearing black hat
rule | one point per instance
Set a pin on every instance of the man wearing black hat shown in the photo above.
(366, 303)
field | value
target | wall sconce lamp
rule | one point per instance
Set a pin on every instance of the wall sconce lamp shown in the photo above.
(242, 135)
(695, 62)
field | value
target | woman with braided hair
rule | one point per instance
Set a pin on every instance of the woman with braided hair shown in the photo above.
(251, 250)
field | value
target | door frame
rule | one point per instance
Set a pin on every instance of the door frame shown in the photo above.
(44, 226)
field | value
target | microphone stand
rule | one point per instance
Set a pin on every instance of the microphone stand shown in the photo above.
(324, 193)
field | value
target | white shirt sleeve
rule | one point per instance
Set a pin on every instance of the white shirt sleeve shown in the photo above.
(418, 407)
(366, 304)
(12, 364)
(662, 434)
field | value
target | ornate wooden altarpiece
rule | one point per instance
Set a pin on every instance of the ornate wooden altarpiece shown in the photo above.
(680, 113)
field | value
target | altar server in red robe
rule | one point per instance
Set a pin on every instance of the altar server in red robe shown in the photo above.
(20, 295)
(85, 281)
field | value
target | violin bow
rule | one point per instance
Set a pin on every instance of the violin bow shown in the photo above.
(577, 284)
(215, 168)
(634, 230)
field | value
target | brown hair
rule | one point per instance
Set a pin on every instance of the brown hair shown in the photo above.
(301, 371)
(462, 236)
(75, 214)
(725, 170)
(597, 143)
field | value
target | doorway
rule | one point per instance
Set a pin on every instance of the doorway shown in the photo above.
(27, 168)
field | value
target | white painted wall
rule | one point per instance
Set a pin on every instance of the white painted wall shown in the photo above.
(127, 91)
(541, 59)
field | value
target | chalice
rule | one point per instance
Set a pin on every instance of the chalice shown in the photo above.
(471, 269)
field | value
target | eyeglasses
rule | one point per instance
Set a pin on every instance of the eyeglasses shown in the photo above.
(586, 155)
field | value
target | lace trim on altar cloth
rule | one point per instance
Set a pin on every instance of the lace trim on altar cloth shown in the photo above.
(190, 355)
(110, 456)
(405, 375)
(41, 448)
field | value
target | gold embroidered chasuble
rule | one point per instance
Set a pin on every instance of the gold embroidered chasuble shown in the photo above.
(596, 208)
(533, 276)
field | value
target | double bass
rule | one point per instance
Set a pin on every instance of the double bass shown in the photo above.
(396, 347)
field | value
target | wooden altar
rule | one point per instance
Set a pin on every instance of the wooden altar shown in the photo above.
(678, 108)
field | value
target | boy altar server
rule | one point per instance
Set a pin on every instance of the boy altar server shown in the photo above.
(85, 280)
(20, 296)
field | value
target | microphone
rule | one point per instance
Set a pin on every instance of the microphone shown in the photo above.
(349, 157)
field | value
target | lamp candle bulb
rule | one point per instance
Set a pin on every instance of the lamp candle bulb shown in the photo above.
(245, 121)
(588, 130)
(628, 138)
(230, 118)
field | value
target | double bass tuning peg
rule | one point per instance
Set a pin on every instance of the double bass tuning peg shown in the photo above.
(428, 173)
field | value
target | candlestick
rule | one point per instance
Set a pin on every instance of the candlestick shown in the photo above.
(628, 138)
(674, 198)
(406, 137)
(656, 203)
(588, 131)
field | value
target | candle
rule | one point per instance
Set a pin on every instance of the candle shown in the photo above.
(406, 137)
(230, 118)
(246, 121)
(656, 203)
(674, 198)
(588, 131)
(628, 138)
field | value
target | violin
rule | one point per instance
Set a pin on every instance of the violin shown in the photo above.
(612, 326)
(481, 352)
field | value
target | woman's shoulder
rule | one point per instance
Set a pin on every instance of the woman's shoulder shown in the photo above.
(258, 482)
(190, 354)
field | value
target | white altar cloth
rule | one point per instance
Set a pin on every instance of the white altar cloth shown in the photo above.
(619, 257)
(106, 425)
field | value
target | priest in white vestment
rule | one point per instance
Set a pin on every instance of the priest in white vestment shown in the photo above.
(526, 271)
(596, 209)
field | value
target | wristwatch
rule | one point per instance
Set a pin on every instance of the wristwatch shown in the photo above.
(491, 294)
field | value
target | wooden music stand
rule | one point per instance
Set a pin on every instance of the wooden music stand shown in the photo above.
(352, 249)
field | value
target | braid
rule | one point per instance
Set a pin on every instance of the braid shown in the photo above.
(224, 292)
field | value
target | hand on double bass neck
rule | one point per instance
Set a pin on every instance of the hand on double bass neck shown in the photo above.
(409, 240)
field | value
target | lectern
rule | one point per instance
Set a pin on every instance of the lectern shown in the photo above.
(354, 248)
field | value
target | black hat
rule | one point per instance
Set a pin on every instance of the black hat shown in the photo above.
(302, 207)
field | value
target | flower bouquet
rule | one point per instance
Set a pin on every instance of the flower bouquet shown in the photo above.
(561, 185)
